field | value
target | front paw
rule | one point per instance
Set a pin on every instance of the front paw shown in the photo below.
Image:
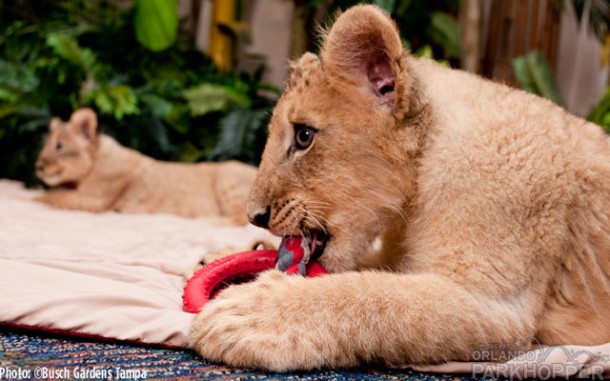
(209, 258)
(267, 324)
(224, 252)
(53, 198)
(44, 197)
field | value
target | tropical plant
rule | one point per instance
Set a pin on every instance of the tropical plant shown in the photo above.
(169, 102)
(535, 75)
(243, 129)
(601, 112)
(156, 23)
(427, 23)
(423, 24)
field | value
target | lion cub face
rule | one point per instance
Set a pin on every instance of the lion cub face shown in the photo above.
(333, 163)
(68, 153)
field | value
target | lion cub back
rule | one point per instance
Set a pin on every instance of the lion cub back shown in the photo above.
(190, 190)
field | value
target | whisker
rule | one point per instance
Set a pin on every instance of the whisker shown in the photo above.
(328, 223)
(307, 202)
(308, 217)
(392, 205)
(305, 233)
(361, 205)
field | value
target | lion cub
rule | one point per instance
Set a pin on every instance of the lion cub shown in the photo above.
(108, 176)
(492, 207)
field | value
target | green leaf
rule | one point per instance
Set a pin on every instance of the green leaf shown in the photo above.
(30, 112)
(116, 100)
(9, 95)
(156, 23)
(190, 154)
(35, 125)
(6, 110)
(601, 112)
(67, 48)
(238, 133)
(445, 31)
(158, 106)
(209, 97)
(427, 52)
(179, 118)
(386, 5)
(17, 78)
(269, 87)
(158, 133)
(424, 52)
(606, 121)
(403, 6)
(535, 76)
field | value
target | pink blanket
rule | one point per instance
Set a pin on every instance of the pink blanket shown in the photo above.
(111, 275)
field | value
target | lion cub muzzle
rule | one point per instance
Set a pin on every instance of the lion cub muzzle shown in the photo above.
(260, 217)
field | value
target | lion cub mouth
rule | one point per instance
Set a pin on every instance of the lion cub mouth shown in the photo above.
(316, 241)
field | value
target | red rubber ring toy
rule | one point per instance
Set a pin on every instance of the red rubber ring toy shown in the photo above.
(214, 277)
(244, 267)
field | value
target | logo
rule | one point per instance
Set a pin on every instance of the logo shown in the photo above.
(530, 359)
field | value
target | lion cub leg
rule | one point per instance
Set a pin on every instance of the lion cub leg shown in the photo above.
(70, 199)
(285, 323)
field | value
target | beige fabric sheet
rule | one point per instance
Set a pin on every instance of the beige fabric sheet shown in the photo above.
(112, 275)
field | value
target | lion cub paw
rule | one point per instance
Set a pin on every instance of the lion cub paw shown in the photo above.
(226, 251)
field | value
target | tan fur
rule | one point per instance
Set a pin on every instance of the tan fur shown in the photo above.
(492, 206)
(109, 176)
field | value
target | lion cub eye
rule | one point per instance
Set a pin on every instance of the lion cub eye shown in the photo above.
(58, 146)
(303, 136)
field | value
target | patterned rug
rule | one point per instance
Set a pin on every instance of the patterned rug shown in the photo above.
(39, 356)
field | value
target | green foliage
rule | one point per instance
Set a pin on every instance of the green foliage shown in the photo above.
(243, 129)
(535, 75)
(426, 52)
(15, 80)
(58, 55)
(209, 97)
(601, 112)
(156, 23)
(445, 32)
(431, 23)
(386, 5)
(116, 100)
(66, 47)
(240, 129)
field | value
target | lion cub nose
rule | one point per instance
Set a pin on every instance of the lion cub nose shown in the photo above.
(260, 217)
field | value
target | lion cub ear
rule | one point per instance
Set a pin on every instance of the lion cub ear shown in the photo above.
(84, 123)
(55, 123)
(364, 47)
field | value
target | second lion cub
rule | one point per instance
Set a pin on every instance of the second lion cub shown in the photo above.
(108, 176)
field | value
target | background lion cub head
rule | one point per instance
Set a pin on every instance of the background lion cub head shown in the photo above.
(68, 153)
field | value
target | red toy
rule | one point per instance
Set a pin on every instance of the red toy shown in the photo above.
(293, 257)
